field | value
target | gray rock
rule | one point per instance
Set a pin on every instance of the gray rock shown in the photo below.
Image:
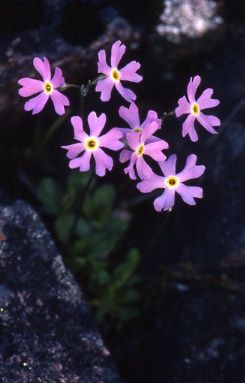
(46, 329)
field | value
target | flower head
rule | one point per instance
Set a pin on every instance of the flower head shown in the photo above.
(114, 76)
(131, 116)
(172, 182)
(90, 144)
(140, 145)
(195, 107)
(46, 88)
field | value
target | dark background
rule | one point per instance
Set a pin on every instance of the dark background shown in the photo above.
(191, 326)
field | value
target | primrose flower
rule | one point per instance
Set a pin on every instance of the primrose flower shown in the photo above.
(131, 116)
(194, 108)
(90, 144)
(46, 88)
(114, 76)
(172, 182)
(140, 145)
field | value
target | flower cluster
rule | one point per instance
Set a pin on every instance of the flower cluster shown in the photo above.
(140, 143)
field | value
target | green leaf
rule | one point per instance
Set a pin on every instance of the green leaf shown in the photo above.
(98, 207)
(50, 193)
(63, 226)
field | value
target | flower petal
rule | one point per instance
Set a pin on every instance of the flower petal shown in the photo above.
(130, 115)
(79, 133)
(165, 201)
(168, 167)
(206, 122)
(191, 170)
(143, 169)
(117, 51)
(36, 104)
(43, 67)
(96, 124)
(147, 186)
(188, 128)
(188, 193)
(205, 101)
(133, 139)
(192, 87)
(83, 162)
(102, 162)
(58, 79)
(125, 155)
(154, 150)
(130, 168)
(126, 93)
(128, 72)
(149, 130)
(111, 139)
(183, 107)
(73, 150)
(105, 87)
(30, 86)
(103, 67)
(59, 101)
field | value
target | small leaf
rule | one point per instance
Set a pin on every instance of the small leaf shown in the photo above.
(50, 193)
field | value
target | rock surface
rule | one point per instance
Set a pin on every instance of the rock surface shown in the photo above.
(46, 330)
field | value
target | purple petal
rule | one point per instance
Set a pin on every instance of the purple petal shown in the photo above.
(168, 167)
(79, 133)
(117, 51)
(147, 186)
(154, 150)
(42, 67)
(36, 104)
(188, 128)
(130, 115)
(149, 130)
(59, 101)
(188, 193)
(126, 93)
(102, 162)
(191, 170)
(96, 124)
(73, 150)
(125, 155)
(143, 169)
(105, 87)
(111, 139)
(58, 79)
(128, 72)
(183, 107)
(192, 87)
(208, 121)
(130, 168)
(103, 67)
(165, 201)
(133, 139)
(30, 87)
(83, 162)
(205, 101)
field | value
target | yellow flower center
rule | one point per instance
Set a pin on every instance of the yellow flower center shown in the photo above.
(140, 150)
(115, 75)
(48, 87)
(137, 130)
(91, 144)
(195, 109)
(172, 182)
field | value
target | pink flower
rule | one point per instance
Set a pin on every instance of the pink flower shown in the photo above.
(194, 108)
(140, 145)
(131, 116)
(47, 88)
(114, 76)
(173, 182)
(90, 144)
